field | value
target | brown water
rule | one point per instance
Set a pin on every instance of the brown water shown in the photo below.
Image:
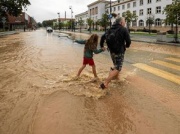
(38, 93)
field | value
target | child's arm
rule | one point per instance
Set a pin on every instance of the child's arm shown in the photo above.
(80, 41)
(96, 51)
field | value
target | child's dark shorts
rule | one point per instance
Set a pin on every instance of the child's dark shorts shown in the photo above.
(117, 60)
(89, 61)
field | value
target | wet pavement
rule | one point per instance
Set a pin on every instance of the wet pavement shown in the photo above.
(39, 95)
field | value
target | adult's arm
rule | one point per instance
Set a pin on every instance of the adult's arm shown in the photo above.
(127, 38)
(103, 37)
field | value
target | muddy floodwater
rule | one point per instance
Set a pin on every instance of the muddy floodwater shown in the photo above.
(39, 95)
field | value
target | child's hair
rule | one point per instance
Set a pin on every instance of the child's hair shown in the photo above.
(92, 42)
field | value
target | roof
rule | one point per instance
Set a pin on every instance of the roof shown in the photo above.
(98, 1)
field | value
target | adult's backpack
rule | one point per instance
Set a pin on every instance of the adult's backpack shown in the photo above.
(112, 39)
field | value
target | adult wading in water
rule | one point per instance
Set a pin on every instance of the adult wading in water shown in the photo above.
(123, 41)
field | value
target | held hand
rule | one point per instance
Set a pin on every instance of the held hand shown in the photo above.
(104, 48)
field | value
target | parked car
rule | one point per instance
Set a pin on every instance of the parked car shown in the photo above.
(49, 29)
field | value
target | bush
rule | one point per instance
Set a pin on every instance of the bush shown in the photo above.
(131, 29)
(170, 32)
(139, 30)
(154, 31)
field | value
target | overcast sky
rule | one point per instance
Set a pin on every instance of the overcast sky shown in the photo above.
(48, 9)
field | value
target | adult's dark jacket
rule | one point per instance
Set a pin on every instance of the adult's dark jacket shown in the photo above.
(124, 39)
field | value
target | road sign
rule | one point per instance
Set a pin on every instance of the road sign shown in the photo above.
(3, 18)
(3, 21)
(110, 16)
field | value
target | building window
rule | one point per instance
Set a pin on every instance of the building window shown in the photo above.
(149, 11)
(123, 6)
(134, 12)
(123, 14)
(96, 10)
(128, 5)
(107, 11)
(118, 7)
(134, 4)
(141, 2)
(158, 22)
(158, 0)
(158, 9)
(148, 1)
(114, 8)
(141, 12)
(141, 23)
(134, 23)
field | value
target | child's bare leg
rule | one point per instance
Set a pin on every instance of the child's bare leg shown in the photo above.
(80, 70)
(94, 70)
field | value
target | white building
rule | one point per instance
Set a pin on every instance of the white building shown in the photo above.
(95, 11)
(82, 16)
(142, 8)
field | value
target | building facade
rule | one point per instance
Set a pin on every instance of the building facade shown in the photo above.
(95, 11)
(82, 16)
(21, 22)
(144, 9)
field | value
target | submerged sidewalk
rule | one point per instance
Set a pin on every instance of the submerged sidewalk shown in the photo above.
(8, 33)
(136, 38)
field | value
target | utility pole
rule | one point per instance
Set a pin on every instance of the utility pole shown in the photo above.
(110, 14)
(71, 18)
(90, 22)
(59, 21)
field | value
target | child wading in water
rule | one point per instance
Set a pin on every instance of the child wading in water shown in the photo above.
(90, 48)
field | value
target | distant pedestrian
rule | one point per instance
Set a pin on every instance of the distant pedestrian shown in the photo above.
(117, 50)
(90, 48)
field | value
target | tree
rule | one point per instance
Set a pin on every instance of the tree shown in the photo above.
(104, 21)
(48, 23)
(39, 24)
(150, 21)
(12, 7)
(129, 17)
(172, 13)
(81, 23)
(89, 21)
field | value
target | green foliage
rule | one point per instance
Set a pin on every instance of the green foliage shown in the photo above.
(172, 13)
(104, 22)
(150, 20)
(81, 22)
(48, 23)
(39, 24)
(13, 7)
(129, 17)
(89, 21)
(68, 24)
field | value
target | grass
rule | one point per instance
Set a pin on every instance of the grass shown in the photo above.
(152, 34)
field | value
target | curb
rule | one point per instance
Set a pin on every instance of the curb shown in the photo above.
(159, 43)
(8, 33)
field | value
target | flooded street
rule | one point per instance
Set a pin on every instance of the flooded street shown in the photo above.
(38, 93)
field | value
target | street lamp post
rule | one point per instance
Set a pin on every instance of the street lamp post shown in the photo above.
(25, 19)
(90, 22)
(71, 18)
(149, 24)
(150, 21)
(110, 13)
(59, 21)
